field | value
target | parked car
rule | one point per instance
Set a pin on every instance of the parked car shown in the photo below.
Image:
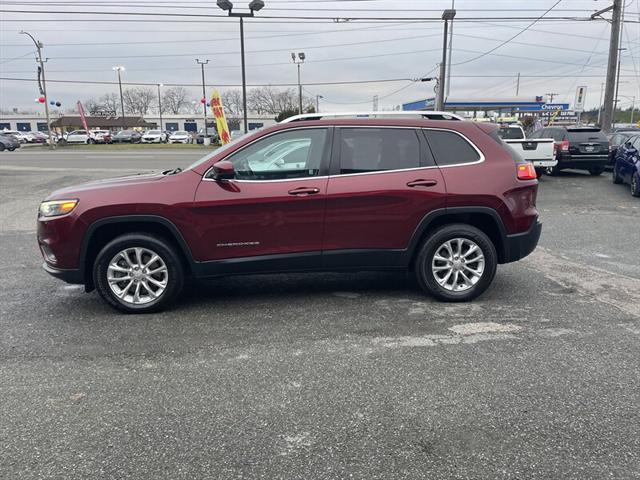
(363, 194)
(102, 136)
(582, 148)
(21, 136)
(535, 149)
(80, 136)
(39, 137)
(212, 133)
(8, 142)
(180, 136)
(616, 140)
(127, 136)
(154, 136)
(626, 168)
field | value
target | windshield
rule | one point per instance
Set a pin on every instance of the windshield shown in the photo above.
(223, 148)
(153, 132)
(586, 136)
(124, 132)
(180, 133)
(510, 133)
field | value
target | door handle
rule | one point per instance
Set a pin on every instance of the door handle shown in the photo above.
(304, 191)
(422, 183)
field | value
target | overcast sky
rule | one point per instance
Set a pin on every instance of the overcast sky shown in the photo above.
(551, 56)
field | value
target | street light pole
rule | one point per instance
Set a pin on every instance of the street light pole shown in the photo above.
(39, 46)
(254, 6)
(298, 59)
(204, 97)
(119, 69)
(160, 105)
(447, 15)
(318, 97)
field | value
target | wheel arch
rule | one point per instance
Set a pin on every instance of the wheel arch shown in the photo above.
(483, 218)
(102, 231)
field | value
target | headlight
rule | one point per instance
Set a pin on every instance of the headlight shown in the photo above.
(55, 208)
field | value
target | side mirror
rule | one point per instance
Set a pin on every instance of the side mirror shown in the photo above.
(223, 170)
(627, 145)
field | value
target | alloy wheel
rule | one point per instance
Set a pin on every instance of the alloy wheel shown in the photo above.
(458, 264)
(137, 276)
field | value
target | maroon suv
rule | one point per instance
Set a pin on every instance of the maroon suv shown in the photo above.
(443, 198)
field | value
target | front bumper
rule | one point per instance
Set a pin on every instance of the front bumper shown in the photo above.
(70, 276)
(522, 244)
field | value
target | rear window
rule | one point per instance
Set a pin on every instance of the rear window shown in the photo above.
(377, 149)
(450, 148)
(513, 153)
(586, 136)
(510, 133)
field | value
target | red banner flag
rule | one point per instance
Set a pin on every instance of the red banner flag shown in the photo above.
(82, 117)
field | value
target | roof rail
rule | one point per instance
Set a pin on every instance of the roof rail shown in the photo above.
(429, 114)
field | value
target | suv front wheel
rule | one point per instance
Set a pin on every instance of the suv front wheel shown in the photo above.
(138, 273)
(456, 263)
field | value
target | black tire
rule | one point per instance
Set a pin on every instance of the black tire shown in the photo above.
(552, 171)
(596, 171)
(174, 279)
(1, 147)
(539, 172)
(423, 263)
(615, 177)
(11, 149)
(635, 185)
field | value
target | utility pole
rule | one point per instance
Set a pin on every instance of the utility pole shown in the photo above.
(551, 96)
(447, 15)
(318, 97)
(119, 69)
(375, 103)
(518, 85)
(204, 100)
(600, 104)
(39, 46)
(453, 6)
(160, 105)
(298, 60)
(614, 50)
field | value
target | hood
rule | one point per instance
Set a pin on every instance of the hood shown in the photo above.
(128, 181)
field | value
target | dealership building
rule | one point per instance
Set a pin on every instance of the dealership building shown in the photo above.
(67, 123)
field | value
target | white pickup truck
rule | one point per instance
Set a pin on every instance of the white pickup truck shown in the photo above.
(539, 151)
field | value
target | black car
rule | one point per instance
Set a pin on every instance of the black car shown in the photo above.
(8, 142)
(212, 133)
(616, 139)
(582, 148)
(127, 136)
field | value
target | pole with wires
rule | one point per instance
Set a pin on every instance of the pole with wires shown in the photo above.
(204, 100)
(39, 46)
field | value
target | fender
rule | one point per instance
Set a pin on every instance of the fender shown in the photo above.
(91, 229)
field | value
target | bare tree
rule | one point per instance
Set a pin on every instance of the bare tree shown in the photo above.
(138, 100)
(110, 101)
(232, 102)
(268, 100)
(175, 100)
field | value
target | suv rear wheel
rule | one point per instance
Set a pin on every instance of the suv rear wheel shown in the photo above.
(635, 185)
(595, 171)
(456, 263)
(138, 273)
(615, 177)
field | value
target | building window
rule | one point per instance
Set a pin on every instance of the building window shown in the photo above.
(191, 126)
(255, 126)
(5, 126)
(42, 127)
(23, 126)
(171, 126)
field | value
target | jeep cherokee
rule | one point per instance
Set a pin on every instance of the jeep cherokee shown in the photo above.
(433, 194)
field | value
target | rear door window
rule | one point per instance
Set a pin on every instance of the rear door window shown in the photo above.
(450, 148)
(365, 150)
(586, 136)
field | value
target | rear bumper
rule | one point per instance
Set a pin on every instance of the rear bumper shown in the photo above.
(522, 244)
(70, 276)
(583, 161)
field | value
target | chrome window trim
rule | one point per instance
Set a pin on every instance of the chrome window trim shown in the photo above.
(379, 172)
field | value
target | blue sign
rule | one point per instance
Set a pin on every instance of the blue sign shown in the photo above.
(545, 107)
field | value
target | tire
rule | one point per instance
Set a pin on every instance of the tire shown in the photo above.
(596, 171)
(91, 141)
(435, 243)
(1, 147)
(11, 149)
(552, 171)
(539, 172)
(635, 185)
(168, 281)
(615, 177)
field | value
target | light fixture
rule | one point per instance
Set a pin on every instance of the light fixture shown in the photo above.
(225, 4)
(256, 5)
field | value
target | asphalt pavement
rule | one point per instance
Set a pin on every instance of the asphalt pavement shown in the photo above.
(326, 376)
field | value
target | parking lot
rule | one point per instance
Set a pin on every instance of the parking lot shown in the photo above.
(325, 375)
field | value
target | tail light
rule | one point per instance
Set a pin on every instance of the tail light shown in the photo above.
(563, 146)
(526, 171)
